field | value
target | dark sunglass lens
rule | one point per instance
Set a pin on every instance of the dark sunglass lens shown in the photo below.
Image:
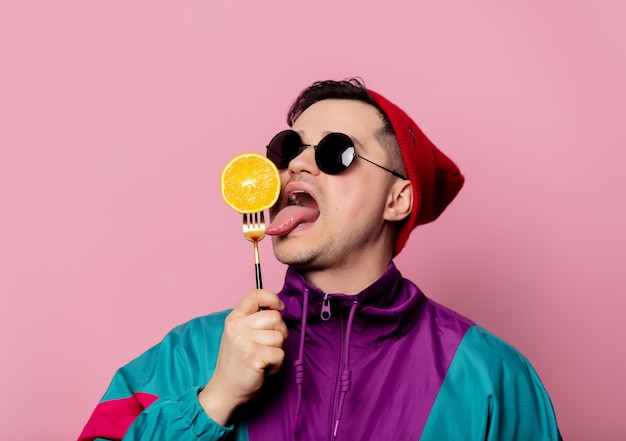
(283, 148)
(334, 153)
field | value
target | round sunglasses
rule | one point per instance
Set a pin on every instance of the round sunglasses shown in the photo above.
(333, 154)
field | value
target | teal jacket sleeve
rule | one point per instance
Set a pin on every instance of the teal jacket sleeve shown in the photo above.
(155, 395)
(491, 392)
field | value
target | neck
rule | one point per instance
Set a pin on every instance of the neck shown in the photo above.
(349, 277)
(351, 272)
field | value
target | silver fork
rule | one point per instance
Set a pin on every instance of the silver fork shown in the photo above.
(254, 231)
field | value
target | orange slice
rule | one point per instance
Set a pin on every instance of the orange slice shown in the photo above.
(250, 183)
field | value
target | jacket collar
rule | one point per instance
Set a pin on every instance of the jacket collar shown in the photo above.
(390, 299)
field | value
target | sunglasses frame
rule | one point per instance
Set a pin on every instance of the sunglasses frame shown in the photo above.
(279, 160)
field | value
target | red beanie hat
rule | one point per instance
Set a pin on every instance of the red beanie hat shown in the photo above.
(435, 179)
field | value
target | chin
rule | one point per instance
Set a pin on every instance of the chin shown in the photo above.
(297, 256)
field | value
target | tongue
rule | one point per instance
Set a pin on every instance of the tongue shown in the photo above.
(289, 218)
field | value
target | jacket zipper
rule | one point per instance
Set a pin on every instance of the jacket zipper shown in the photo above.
(337, 392)
(325, 314)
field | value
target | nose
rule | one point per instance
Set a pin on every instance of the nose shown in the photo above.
(304, 162)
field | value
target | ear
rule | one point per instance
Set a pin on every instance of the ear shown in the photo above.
(399, 200)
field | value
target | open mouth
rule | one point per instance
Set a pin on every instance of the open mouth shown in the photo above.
(299, 207)
(301, 198)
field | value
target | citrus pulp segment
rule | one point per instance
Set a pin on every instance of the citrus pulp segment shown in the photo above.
(250, 183)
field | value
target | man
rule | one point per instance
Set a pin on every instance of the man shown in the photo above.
(348, 349)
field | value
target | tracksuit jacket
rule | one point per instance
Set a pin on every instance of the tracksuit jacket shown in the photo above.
(386, 364)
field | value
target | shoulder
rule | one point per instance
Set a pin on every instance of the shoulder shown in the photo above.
(482, 351)
(182, 358)
(191, 344)
(495, 369)
(208, 323)
(438, 323)
(495, 393)
(478, 347)
(185, 339)
(203, 330)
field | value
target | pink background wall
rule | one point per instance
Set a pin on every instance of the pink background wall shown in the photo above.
(116, 119)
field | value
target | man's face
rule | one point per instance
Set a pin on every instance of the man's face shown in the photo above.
(333, 220)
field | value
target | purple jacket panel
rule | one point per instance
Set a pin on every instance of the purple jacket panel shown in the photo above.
(371, 371)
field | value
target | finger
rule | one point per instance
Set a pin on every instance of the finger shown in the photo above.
(269, 338)
(256, 299)
(237, 327)
(270, 360)
(266, 319)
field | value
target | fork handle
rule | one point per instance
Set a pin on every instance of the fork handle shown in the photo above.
(259, 282)
(257, 266)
